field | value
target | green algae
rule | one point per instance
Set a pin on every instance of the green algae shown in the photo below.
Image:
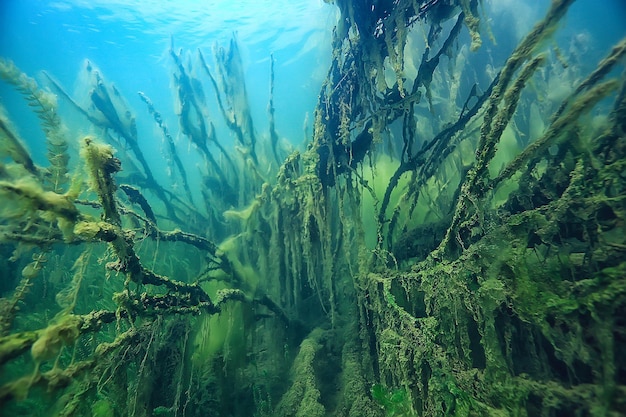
(311, 299)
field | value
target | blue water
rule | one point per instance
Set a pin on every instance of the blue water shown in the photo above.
(128, 41)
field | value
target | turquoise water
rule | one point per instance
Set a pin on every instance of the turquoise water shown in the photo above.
(326, 249)
(129, 43)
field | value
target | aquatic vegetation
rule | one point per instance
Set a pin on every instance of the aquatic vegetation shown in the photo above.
(12, 145)
(393, 402)
(446, 244)
(45, 106)
(170, 142)
(303, 397)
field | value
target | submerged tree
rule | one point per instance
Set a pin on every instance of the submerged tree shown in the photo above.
(447, 244)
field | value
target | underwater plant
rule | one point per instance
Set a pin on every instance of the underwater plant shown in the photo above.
(394, 402)
(446, 243)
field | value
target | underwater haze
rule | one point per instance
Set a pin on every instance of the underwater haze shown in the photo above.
(129, 42)
(312, 208)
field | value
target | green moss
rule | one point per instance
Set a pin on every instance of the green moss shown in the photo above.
(395, 402)
(303, 397)
(51, 339)
(13, 345)
(103, 408)
(45, 106)
(101, 165)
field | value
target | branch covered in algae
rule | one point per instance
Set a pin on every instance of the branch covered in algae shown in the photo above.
(45, 106)
(170, 142)
(13, 146)
(46, 343)
(496, 118)
(48, 201)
